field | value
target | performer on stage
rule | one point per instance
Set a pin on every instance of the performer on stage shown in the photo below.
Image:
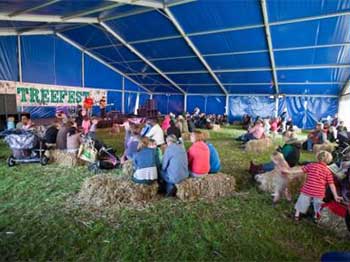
(103, 105)
(88, 103)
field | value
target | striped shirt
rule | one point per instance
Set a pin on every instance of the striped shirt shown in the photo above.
(318, 177)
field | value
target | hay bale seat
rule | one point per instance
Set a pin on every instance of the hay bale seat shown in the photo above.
(115, 191)
(329, 147)
(207, 187)
(216, 127)
(258, 146)
(187, 136)
(64, 158)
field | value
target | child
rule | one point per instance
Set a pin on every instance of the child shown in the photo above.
(145, 163)
(93, 128)
(314, 188)
(86, 125)
(10, 122)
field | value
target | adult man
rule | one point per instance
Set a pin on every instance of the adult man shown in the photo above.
(156, 133)
(88, 103)
(103, 107)
(174, 166)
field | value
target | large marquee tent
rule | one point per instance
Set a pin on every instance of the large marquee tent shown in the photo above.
(233, 56)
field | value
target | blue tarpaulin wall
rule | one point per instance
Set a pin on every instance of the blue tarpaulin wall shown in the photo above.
(207, 104)
(263, 106)
(8, 58)
(169, 103)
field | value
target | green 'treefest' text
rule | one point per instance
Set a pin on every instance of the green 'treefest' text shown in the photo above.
(43, 96)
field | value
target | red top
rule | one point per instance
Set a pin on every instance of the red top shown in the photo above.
(318, 177)
(88, 102)
(198, 158)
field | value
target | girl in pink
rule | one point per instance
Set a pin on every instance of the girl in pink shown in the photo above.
(166, 123)
(86, 125)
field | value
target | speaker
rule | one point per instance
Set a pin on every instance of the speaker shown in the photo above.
(8, 104)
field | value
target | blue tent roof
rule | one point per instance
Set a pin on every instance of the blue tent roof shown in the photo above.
(224, 47)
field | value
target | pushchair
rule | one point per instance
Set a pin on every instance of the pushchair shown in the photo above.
(98, 155)
(26, 147)
(342, 151)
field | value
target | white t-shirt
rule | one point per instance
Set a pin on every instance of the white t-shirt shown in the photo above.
(156, 133)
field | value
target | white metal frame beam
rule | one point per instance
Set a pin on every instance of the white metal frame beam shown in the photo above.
(269, 44)
(34, 8)
(174, 21)
(133, 50)
(91, 11)
(47, 19)
(100, 60)
(145, 3)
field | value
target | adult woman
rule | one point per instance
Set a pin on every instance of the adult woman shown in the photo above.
(198, 155)
(256, 132)
(145, 162)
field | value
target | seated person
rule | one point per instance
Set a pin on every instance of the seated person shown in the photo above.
(132, 143)
(289, 124)
(10, 123)
(173, 130)
(274, 125)
(26, 122)
(267, 127)
(214, 159)
(145, 162)
(51, 133)
(174, 166)
(255, 132)
(191, 125)
(93, 128)
(86, 124)
(61, 141)
(147, 127)
(290, 151)
(198, 156)
(341, 127)
(156, 133)
(316, 136)
(246, 121)
(73, 140)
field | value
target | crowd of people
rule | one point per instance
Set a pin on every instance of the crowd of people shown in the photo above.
(158, 153)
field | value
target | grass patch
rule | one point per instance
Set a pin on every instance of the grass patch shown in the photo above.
(37, 224)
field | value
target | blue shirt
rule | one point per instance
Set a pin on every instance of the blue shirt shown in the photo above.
(215, 164)
(175, 164)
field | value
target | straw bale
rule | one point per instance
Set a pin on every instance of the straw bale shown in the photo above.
(207, 187)
(329, 147)
(216, 127)
(334, 223)
(63, 158)
(103, 191)
(259, 146)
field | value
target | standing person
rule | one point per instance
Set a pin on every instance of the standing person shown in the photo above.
(198, 155)
(156, 133)
(166, 123)
(88, 104)
(283, 118)
(103, 105)
(86, 125)
(174, 166)
(145, 163)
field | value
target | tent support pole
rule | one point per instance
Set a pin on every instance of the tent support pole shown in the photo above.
(227, 104)
(277, 101)
(83, 68)
(123, 95)
(19, 58)
(185, 103)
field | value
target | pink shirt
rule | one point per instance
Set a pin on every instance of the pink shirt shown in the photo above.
(198, 158)
(86, 126)
(257, 131)
(274, 126)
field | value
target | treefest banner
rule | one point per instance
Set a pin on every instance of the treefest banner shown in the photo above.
(30, 94)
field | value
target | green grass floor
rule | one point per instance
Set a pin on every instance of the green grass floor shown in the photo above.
(38, 223)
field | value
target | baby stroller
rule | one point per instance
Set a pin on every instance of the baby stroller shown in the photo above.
(26, 147)
(98, 155)
(342, 151)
